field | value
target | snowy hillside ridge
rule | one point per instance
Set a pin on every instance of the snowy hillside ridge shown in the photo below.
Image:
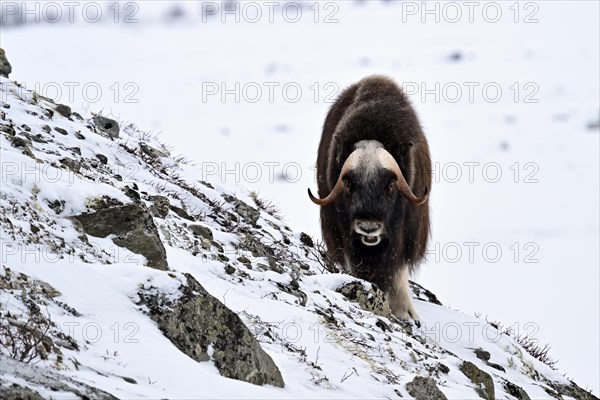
(120, 266)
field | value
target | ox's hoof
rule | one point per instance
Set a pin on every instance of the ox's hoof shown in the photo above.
(407, 315)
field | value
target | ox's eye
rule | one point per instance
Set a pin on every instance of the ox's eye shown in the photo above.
(391, 186)
(347, 186)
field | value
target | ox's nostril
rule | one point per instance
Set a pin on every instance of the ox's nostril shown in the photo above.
(369, 227)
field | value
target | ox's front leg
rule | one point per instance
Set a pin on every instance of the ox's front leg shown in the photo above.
(399, 296)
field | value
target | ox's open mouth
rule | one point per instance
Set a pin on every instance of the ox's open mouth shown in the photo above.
(370, 240)
(371, 232)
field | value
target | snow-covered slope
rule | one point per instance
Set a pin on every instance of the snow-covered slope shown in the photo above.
(153, 61)
(86, 290)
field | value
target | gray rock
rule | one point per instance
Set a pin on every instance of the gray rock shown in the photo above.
(102, 158)
(484, 384)
(197, 321)
(424, 389)
(248, 213)
(21, 143)
(8, 128)
(482, 355)
(371, 300)
(202, 231)
(229, 269)
(132, 192)
(11, 281)
(71, 164)
(182, 213)
(246, 261)
(133, 228)
(107, 126)
(485, 357)
(98, 203)
(258, 249)
(515, 391)
(423, 294)
(5, 67)
(443, 368)
(58, 206)
(160, 206)
(306, 240)
(61, 131)
(152, 152)
(17, 392)
(38, 138)
(42, 378)
(63, 110)
(573, 391)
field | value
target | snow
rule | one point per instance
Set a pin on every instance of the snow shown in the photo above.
(543, 208)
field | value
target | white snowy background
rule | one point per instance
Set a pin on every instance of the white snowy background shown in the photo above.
(158, 63)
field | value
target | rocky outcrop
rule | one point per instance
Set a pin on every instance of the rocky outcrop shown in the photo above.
(5, 67)
(63, 110)
(248, 213)
(371, 299)
(108, 126)
(422, 388)
(484, 384)
(571, 390)
(15, 372)
(516, 391)
(203, 328)
(160, 206)
(133, 228)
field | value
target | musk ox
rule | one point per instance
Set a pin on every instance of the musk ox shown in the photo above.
(374, 177)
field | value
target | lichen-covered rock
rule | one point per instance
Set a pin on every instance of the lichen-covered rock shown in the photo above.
(107, 126)
(306, 240)
(372, 299)
(573, 391)
(202, 231)
(15, 391)
(259, 249)
(484, 384)
(422, 388)
(248, 213)
(160, 206)
(133, 228)
(203, 328)
(485, 357)
(21, 143)
(152, 152)
(102, 158)
(423, 294)
(14, 373)
(63, 110)
(182, 213)
(71, 164)
(60, 130)
(515, 391)
(34, 287)
(5, 67)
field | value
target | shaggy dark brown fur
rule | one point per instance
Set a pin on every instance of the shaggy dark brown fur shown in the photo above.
(375, 108)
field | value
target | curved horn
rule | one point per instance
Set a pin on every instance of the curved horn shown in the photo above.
(349, 164)
(390, 163)
(335, 192)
